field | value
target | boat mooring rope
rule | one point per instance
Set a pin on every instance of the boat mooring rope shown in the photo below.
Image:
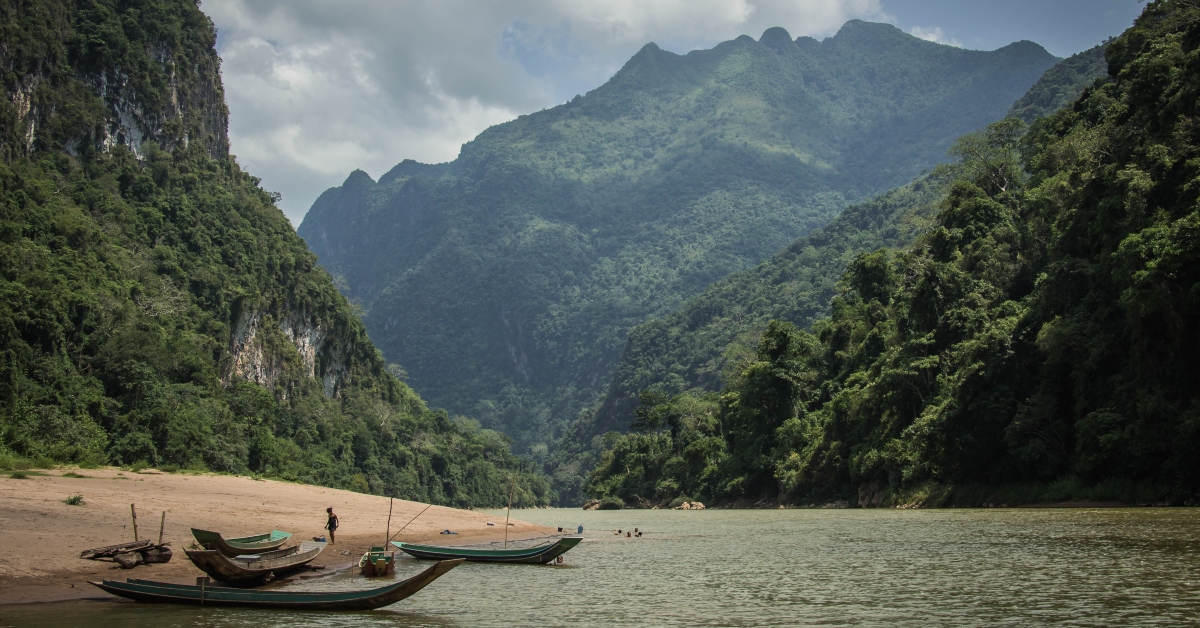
(33, 575)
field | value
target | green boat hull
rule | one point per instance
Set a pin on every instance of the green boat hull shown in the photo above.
(370, 599)
(255, 544)
(529, 556)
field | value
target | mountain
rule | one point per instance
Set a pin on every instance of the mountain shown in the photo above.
(695, 345)
(504, 283)
(156, 307)
(1036, 344)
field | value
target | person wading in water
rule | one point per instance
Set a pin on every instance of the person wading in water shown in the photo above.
(332, 524)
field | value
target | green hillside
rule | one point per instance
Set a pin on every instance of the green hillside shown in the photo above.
(1037, 344)
(505, 282)
(156, 307)
(695, 345)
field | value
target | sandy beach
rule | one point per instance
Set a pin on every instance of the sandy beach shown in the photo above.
(43, 536)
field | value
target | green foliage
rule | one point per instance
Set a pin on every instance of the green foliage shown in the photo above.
(1037, 344)
(1061, 85)
(702, 342)
(506, 282)
(75, 500)
(157, 309)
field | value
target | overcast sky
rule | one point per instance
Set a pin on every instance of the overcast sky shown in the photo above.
(317, 88)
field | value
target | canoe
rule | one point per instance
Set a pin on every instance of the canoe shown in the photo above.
(377, 562)
(272, 540)
(530, 555)
(148, 591)
(254, 569)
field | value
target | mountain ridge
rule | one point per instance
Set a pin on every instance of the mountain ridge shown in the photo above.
(504, 282)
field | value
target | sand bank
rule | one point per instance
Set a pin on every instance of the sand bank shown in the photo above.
(41, 536)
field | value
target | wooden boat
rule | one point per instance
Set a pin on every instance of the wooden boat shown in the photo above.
(148, 591)
(377, 562)
(267, 542)
(530, 555)
(254, 569)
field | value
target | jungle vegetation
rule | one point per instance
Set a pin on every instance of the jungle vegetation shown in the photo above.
(505, 282)
(1037, 343)
(130, 253)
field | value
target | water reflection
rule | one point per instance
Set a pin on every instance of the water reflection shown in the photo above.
(782, 568)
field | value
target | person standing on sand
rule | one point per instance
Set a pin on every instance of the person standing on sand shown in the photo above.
(332, 524)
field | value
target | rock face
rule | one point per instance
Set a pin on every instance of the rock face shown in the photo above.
(689, 506)
(261, 349)
(153, 85)
(870, 495)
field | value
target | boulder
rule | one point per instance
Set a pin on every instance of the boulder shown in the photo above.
(128, 560)
(592, 504)
(153, 555)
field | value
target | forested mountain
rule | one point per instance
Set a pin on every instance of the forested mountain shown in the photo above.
(1038, 343)
(505, 282)
(155, 305)
(695, 345)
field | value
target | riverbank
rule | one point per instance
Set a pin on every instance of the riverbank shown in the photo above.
(43, 536)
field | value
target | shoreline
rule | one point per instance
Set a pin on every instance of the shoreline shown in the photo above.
(39, 561)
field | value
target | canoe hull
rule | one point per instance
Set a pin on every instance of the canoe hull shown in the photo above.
(377, 563)
(530, 556)
(165, 593)
(258, 543)
(269, 566)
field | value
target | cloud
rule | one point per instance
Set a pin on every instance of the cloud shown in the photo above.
(317, 89)
(934, 34)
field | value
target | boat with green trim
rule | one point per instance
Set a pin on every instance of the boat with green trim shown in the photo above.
(207, 595)
(531, 555)
(255, 544)
(254, 569)
(377, 562)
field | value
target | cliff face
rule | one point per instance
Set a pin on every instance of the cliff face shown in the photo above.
(88, 76)
(156, 306)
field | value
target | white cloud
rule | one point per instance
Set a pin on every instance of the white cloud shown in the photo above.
(317, 89)
(934, 34)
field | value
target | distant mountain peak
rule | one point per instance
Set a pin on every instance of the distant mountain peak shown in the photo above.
(358, 178)
(778, 39)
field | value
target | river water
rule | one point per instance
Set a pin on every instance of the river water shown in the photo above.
(1086, 567)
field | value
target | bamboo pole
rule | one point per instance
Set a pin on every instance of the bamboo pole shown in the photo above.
(509, 514)
(410, 521)
(134, 512)
(388, 534)
(162, 524)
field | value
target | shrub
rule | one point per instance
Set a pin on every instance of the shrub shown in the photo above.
(74, 500)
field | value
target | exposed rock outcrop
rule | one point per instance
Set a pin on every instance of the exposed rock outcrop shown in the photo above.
(261, 350)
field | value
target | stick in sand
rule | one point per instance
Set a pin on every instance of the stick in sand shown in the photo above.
(134, 511)
(162, 525)
(387, 535)
(509, 514)
(410, 521)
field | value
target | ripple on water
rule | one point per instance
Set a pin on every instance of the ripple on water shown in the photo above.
(779, 568)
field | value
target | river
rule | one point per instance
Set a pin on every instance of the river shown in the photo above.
(1086, 567)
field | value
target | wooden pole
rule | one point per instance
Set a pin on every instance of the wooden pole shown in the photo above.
(162, 524)
(509, 514)
(134, 512)
(410, 521)
(388, 535)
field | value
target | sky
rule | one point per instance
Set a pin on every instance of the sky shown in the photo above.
(317, 89)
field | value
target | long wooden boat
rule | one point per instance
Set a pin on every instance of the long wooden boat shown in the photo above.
(255, 544)
(254, 569)
(376, 562)
(148, 591)
(530, 555)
